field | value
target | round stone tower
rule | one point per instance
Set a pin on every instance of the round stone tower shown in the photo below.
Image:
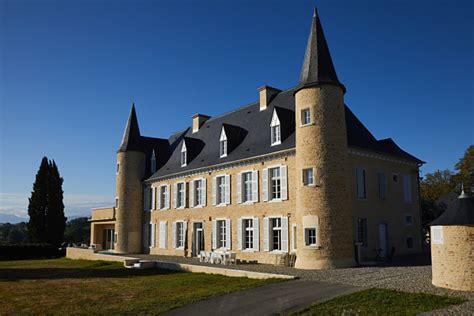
(130, 172)
(323, 206)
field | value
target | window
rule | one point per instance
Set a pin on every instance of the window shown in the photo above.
(153, 162)
(408, 220)
(248, 233)
(220, 190)
(164, 197)
(360, 178)
(275, 183)
(151, 235)
(184, 155)
(116, 202)
(180, 192)
(410, 242)
(407, 188)
(293, 237)
(310, 236)
(118, 168)
(221, 234)
(305, 117)
(308, 176)
(247, 186)
(362, 231)
(275, 129)
(180, 235)
(275, 233)
(382, 185)
(199, 191)
(149, 192)
(223, 144)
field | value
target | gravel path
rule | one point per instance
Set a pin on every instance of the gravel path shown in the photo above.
(410, 274)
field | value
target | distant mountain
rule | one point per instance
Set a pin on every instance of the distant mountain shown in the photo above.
(12, 219)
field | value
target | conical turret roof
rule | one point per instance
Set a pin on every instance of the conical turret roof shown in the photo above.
(131, 139)
(461, 214)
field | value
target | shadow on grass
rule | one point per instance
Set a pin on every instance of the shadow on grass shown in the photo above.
(76, 273)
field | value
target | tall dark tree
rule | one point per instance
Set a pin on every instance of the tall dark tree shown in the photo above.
(38, 204)
(55, 220)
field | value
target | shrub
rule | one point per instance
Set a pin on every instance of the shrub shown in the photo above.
(30, 251)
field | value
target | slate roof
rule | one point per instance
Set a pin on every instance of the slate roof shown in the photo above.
(461, 213)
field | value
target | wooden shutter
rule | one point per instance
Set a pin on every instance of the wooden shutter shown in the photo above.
(214, 234)
(175, 195)
(228, 231)
(204, 192)
(256, 234)
(214, 190)
(153, 197)
(266, 234)
(227, 189)
(284, 183)
(163, 235)
(265, 184)
(174, 234)
(239, 233)
(239, 187)
(284, 234)
(168, 196)
(255, 186)
(191, 194)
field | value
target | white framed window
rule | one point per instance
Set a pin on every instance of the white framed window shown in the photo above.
(179, 234)
(221, 189)
(248, 234)
(197, 193)
(153, 162)
(180, 195)
(310, 236)
(408, 220)
(293, 238)
(275, 129)
(247, 186)
(361, 231)
(163, 234)
(184, 155)
(305, 117)
(275, 234)
(275, 183)
(361, 182)
(382, 179)
(221, 234)
(164, 197)
(223, 144)
(151, 235)
(407, 194)
(308, 176)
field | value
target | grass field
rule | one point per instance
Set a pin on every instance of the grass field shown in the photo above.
(63, 286)
(381, 302)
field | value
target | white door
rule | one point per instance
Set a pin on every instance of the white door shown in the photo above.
(383, 239)
(198, 239)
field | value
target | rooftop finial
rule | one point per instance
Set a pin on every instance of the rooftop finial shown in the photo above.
(315, 12)
(463, 194)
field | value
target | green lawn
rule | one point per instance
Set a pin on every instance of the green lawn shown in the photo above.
(63, 286)
(381, 302)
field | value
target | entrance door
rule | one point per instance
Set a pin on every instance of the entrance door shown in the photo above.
(108, 243)
(383, 239)
(198, 238)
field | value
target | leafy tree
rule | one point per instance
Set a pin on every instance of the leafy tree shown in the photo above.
(465, 168)
(78, 231)
(38, 204)
(437, 184)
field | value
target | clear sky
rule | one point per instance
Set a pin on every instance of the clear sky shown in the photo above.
(69, 71)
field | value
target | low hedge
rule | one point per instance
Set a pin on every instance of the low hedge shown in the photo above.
(30, 251)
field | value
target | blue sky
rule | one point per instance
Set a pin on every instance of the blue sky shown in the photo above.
(69, 71)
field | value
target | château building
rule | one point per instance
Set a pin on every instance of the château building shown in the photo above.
(293, 172)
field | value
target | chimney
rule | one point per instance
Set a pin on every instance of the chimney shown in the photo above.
(198, 120)
(266, 95)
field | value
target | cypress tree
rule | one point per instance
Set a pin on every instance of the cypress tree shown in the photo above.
(38, 204)
(55, 220)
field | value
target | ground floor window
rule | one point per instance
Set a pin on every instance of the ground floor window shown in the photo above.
(361, 231)
(180, 235)
(221, 234)
(310, 236)
(248, 233)
(276, 233)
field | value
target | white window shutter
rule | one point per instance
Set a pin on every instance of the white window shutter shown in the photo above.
(266, 234)
(239, 234)
(256, 234)
(255, 186)
(158, 196)
(284, 234)
(191, 194)
(153, 197)
(239, 188)
(174, 234)
(214, 234)
(162, 235)
(284, 183)
(227, 189)
(175, 195)
(228, 232)
(167, 201)
(265, 184)
(204, 192)
(214, 190)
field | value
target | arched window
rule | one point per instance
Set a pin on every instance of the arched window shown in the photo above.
(275, 129)
(153, 162)
(184, 155)
(223, 144)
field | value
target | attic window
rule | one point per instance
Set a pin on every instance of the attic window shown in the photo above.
(223, 144)
(153, 162)
(184, 155)
(275, 129)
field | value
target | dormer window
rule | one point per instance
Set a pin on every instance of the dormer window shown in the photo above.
(275, 128)
(153, 162)
(184, 155)
(223, 144)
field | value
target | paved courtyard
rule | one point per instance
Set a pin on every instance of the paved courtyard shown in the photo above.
(409, 274)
